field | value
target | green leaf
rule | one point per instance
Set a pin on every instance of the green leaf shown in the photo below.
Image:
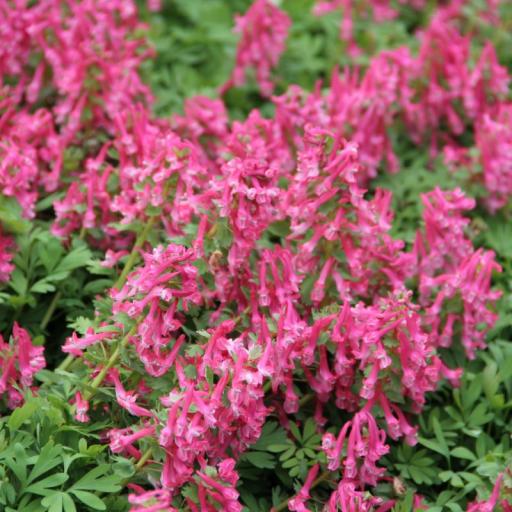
(11, 216)
(294, 429)
(124, 468)
(81, 324)
(309, 429)
(419, 476)
(463, 453)
(288, 453)
(407, 504)
(89, 499)
(42, 286)
(471, 394)
(479, 415)
(261, 460)
(69, 504)
(290, 463)
(490, 380)
(444, 476)
(280, 228)
(438, 431)
(59, 502)
(77, 258)
(454, 507)
(48, 459)
(277, 448)
(95, 480)
(456, 481)
(53, 502)
(50, 253)
(18, 282)
(271, 435)
(43, 487)
(22, 414)
(432, 445)
(19, 468)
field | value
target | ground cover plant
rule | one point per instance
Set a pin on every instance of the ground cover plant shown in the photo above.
(255, 255)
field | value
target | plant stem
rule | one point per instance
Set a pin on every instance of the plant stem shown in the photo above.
(305, 399)
(51, 309)
(145, 457)
(96, 383)
(135, 252)
(64, 364)
(284, 504)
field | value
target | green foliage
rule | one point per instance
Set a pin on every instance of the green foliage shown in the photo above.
(51, 281)
(195, 49)
(465, 440)
(280, 458)
(42, 264)
(48, 465)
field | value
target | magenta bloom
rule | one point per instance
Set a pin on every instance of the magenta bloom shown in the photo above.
(263, 31)
(20, 360)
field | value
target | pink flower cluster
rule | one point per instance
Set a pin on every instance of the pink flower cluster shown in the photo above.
(493, 137)
(149, 157)
(380, 11)
(20, 360)
(165, 282)
(73, 68)
(451, 270)
(437, 95)
(378, 348)
(263, 31)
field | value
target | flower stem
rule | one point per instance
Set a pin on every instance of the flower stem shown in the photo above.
(96, 383)
(141, 239)
(305, 399)
(65, 364)
(145, 457)
(51, 309)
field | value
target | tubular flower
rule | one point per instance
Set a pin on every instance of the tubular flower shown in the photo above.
(20, 360)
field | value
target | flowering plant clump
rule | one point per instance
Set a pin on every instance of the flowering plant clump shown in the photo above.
(277, 298)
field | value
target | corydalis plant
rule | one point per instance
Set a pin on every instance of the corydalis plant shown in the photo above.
(377, 359)
(259, 278)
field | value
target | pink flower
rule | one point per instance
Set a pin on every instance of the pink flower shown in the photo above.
(30, 357)
(82, 408)
(6, 255)
(297, 503)
(489, 504)
(122, 440)
(449, 266)
(158, 500)
(127, 399)
(20, 360)
(75, 345)
(264, 29)
(151, 296)
(347, 498)
(223, 495)
(494, 141)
